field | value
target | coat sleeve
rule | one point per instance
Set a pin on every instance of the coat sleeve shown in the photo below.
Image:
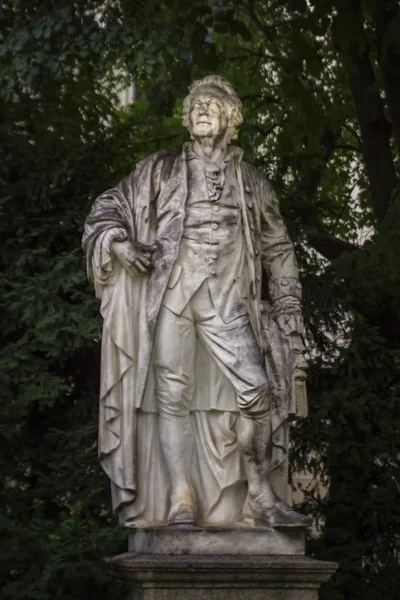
(114, 216)
(277, 251)
(110, 219)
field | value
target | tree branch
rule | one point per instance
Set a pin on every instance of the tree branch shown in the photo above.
(353, 132)
(328, 245)
(310, 181)
(323, 242)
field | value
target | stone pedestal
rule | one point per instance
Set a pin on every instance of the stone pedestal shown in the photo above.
(189, 563)
(216, 540)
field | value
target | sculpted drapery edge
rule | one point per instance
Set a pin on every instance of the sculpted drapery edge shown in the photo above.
(148, 206)
(123, 213)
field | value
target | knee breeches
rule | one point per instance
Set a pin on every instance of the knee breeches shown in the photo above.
(232, 345)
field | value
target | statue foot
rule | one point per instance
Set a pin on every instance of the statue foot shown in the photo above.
(184, 515)
(278, 516)
(182, 509)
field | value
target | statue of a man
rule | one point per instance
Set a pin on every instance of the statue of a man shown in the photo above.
(176, 253)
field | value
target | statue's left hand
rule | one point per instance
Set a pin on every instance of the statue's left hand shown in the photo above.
(133, 256)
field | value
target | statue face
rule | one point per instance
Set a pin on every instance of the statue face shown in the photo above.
(209, 116)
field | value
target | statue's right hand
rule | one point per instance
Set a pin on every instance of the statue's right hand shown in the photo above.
(133, 256)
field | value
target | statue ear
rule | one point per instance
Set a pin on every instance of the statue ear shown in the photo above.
(232, 117)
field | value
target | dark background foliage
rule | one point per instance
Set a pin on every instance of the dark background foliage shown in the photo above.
(320, 84)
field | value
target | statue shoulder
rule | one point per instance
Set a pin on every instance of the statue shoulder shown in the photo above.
(152, 172)
(254, 177)
(162, 158)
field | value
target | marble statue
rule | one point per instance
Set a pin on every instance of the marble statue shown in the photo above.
(199, 376)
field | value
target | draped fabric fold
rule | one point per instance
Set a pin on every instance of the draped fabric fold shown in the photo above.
(148, 207)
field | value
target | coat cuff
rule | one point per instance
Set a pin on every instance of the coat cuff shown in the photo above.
(102, 263)
(116, 234)
(103, 246)
(284, 286)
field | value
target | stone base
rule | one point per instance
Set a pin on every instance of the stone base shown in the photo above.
(217, 540)
(188, 577)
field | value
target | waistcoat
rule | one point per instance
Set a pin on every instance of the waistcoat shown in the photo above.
(212, 244)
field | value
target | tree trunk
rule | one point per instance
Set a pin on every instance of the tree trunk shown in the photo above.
(374, 126)
(385, 14)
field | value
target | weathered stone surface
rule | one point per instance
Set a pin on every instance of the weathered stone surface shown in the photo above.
(199, 375)
(210, 577)
(190, 540)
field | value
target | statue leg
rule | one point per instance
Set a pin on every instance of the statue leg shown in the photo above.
(235, 349)
(255, 444)
(262, 503)
(174, 355)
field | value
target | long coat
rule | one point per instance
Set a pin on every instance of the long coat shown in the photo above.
(148, 206)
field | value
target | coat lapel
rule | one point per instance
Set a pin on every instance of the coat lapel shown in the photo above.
(254, 288)
(170, 211)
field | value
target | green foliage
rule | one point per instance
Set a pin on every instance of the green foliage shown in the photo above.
(58, 558)
(353, 428)
(65, 139)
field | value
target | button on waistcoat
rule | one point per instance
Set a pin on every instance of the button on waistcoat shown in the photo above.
(212, 245)
(211, 221)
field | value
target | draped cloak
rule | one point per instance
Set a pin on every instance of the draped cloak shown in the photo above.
(148, 206)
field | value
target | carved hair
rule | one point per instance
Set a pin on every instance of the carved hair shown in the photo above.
(224, 89)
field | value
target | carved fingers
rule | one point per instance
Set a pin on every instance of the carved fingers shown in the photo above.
(290, 321)
(134, 256)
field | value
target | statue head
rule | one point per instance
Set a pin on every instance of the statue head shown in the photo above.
(212, 108)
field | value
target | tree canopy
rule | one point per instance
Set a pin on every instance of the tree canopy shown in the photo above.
(320, 85)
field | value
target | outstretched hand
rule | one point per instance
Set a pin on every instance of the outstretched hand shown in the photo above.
(134, 256)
